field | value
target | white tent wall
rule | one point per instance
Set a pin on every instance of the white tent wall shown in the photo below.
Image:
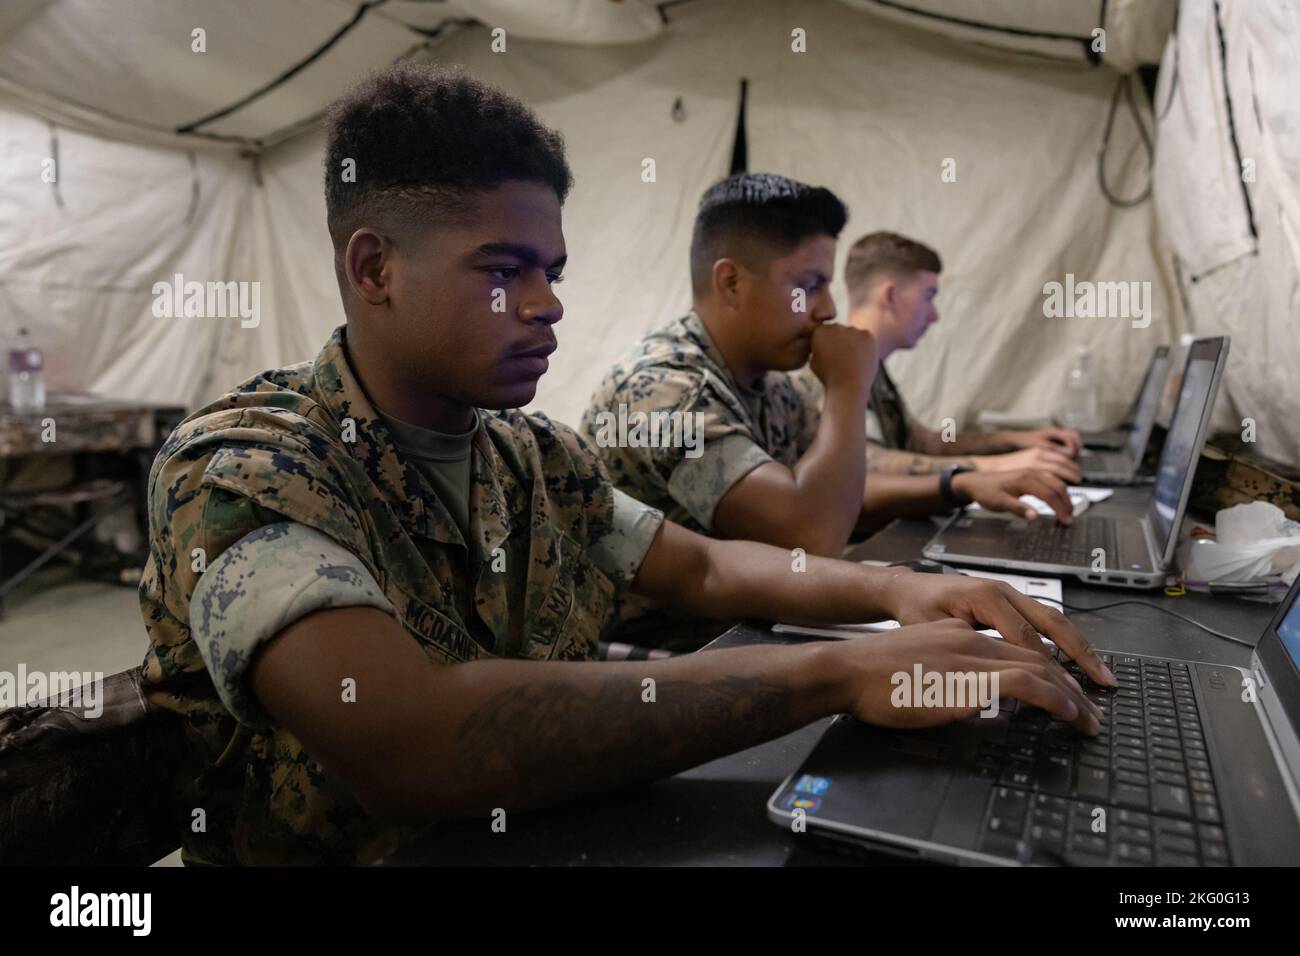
(875, 110)
(1228, 194)
(79, 256)
(870, 110)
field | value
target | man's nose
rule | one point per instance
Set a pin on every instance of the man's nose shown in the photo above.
(824, 308)
(541, 304)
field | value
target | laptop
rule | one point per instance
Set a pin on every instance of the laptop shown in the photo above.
(1191, 768)
(1120, 551)
(1121, 467)
(1114, 439)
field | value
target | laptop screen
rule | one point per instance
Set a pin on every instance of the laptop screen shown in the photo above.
(1148, 403)
(1288, 631)
(1279, 657)
(1183, 443)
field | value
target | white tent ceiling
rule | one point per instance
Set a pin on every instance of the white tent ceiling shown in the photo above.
(266, 68)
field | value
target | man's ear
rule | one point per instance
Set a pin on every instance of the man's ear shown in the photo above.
(888, 293)
(727, 281)
(366, 265)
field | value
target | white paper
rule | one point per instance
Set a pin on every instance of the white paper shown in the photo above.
(1046, 590)
(1081, 497)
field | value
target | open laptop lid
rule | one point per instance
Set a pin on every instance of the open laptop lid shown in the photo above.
(1148, 404)
(1277, 659)
(1187, 432)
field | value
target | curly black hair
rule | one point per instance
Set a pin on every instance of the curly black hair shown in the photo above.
(753, 217)
(423, 140)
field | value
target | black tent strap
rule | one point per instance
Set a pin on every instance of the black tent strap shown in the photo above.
(1232, 126)
(1174, 78)
(435, 32)
(740, 145)
(664, 7)
(1211, 270)
(116, 119)
(284, 77)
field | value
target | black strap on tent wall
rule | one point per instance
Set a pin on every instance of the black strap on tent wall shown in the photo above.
(740, 145)
(1232, 125)
(667, 5)
(288, 74)
(1173, 80)
(193, 127)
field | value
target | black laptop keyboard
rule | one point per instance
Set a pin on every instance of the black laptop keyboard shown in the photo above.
(1148, 772)
(1046, 542)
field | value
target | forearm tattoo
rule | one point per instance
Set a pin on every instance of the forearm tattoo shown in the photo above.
(551, 739)
(889, 461)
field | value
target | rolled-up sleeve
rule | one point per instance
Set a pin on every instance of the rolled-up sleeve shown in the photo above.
(260, 585)
(698, 484)
(620, 551)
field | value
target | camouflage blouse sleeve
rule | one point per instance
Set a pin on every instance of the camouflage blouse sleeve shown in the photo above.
(260, 585)
(205, 497)
(620, 551)
(717, 449)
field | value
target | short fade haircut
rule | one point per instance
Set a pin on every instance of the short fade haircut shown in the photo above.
(424, 140)
(755, 217)
(881, 253)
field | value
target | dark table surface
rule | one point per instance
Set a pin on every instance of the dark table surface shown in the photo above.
(715, 814)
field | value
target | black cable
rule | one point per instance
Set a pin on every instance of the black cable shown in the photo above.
(1124, 85)
(1162, 610)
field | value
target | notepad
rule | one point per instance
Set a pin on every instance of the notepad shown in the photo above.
(1046, 590)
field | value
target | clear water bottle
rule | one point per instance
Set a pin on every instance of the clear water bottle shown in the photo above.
(1081, 410)
(26, 375)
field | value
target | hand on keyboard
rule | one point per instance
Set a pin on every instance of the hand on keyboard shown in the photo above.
(1001, 491)
(952, 649)
(914, 598)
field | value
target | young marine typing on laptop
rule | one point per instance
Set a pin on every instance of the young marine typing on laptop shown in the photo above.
(404, 577)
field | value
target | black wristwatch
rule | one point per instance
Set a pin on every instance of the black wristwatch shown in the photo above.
(950, 497)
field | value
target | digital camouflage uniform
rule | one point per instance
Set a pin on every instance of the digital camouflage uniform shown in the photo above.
(887, 421)
(678, 368)
(892, 422)
(271, 456)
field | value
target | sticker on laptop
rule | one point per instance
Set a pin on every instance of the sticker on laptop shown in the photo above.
(800, 802)
(810, 784)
